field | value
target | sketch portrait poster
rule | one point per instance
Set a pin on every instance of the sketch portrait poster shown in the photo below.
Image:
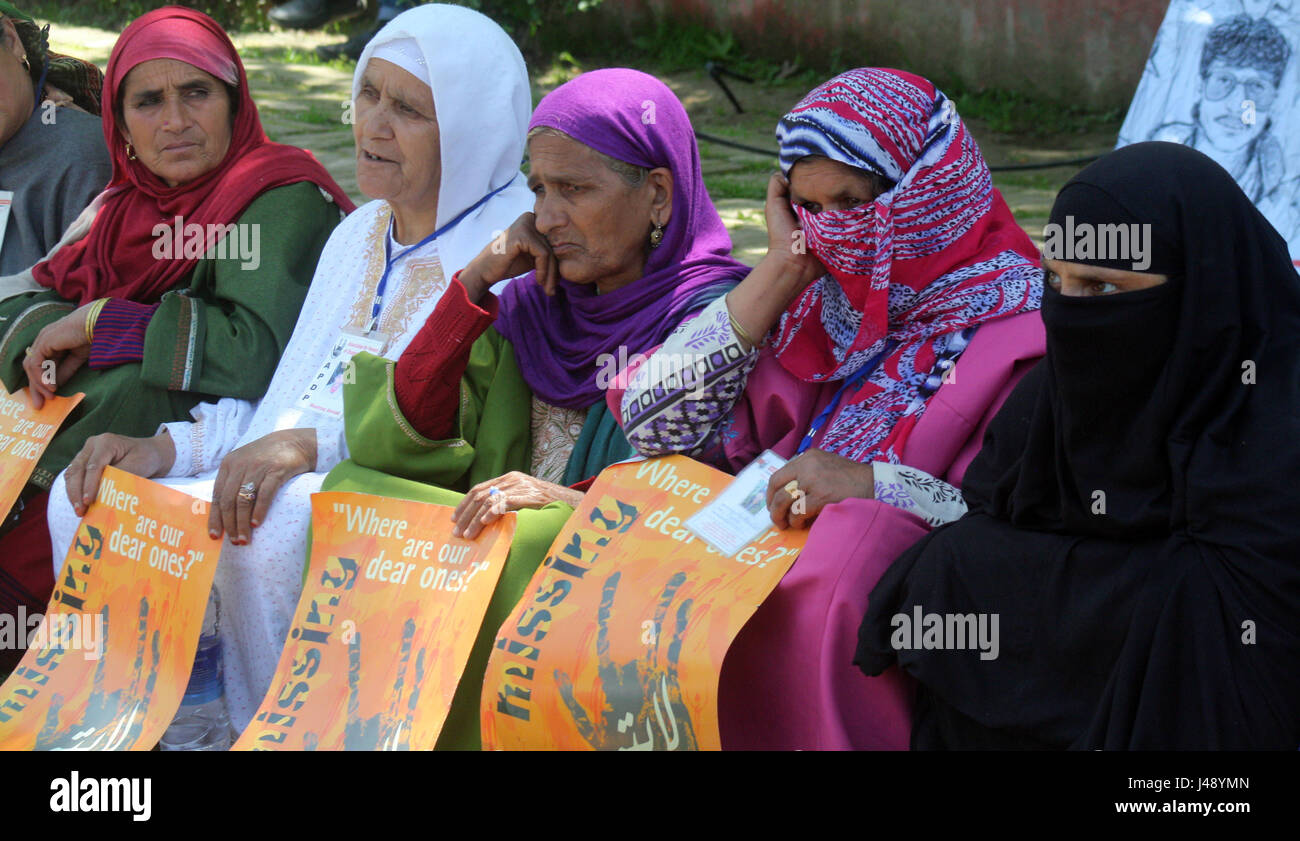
(1223, 78)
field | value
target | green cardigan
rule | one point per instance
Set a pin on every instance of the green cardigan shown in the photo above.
(390, 458)
(218, 334)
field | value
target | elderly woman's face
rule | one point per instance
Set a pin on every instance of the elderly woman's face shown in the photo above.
(16, 99)
(399, 157)
(176, 118)
(597, 224)
(818, 184)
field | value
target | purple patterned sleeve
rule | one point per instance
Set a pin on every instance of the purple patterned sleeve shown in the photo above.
(678, 397)
(119, 333)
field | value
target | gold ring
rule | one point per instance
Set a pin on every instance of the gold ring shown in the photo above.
(247, 492)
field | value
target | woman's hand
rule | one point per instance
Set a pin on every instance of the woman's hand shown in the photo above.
(519, 249)
(784, 272)
(822, 479)
(64, 343)
(60, 98)
(147, 457)
(250, 476)
(786, 246)
(514, 491)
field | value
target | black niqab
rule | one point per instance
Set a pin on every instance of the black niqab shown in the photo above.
(1134, 517)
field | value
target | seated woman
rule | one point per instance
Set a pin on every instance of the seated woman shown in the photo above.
(1131, 522)
(54, 163)
(444, 173)
(191, 275)
(499, 406)
(839, 355)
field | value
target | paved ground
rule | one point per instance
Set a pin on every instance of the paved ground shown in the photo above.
(302, 102)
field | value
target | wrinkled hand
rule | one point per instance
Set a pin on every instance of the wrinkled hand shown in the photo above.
(266, 463)
(62, 342)
(797, 261)
(824, 479)
(519, 250)
(515, 490)
(147, 457)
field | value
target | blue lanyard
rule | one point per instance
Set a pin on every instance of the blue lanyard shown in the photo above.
(390, 260)
(852, 382)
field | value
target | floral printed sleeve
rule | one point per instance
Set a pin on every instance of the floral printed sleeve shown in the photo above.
(676, 399)
(916, 491)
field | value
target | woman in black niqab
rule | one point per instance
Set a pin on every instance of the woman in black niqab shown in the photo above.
(1134, 516)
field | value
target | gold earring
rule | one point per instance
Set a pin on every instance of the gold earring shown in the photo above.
(130, 153)
(27, 65)
(657, 236)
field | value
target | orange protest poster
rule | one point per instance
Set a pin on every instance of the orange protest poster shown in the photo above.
(24, 434)
(383, 630)
(620, 643)
(107, 665)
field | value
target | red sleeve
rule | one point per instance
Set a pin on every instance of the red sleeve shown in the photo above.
(119, 333)
(428, 374)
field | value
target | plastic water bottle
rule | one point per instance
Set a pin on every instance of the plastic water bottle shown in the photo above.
(202, 722)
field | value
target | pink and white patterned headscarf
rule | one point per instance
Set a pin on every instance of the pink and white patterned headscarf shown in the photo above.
(935, 255)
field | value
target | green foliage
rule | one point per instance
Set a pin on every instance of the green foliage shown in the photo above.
(673, 45)
(524, 19)
(1014, 113)
(233, 15)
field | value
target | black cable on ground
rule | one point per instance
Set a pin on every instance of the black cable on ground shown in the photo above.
(1046, 165)
(722, 141)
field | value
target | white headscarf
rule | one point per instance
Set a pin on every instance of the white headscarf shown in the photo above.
(483, 101)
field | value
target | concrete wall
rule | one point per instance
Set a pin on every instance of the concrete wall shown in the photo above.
(1087, 50)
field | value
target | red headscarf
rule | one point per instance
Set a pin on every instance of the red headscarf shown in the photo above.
(910, 273)
(115, 259)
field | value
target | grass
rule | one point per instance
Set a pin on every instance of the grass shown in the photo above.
(294, 55)
(1013, 113)
(233, 15)
(1007, 124)
(672, 47)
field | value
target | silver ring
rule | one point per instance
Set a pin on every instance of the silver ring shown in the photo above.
(494, 491)
(248, 491)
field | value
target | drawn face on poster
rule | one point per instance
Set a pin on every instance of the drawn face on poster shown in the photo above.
(1223, 78)
(1241, 67)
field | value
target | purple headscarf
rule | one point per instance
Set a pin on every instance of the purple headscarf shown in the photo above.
(635, 118)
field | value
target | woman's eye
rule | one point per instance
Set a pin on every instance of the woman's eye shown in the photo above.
(197, 93)
(811, 206)
(850, 203)
(1100, 287)
(1050, 279)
